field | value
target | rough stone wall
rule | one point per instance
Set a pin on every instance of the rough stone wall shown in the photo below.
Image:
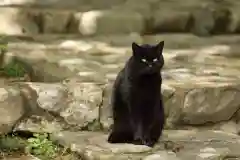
(94, 17)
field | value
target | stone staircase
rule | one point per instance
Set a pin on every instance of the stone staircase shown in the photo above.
(81, 44)
(91, 18)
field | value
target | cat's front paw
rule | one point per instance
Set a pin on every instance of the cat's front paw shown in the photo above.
(137, 142)
(148, 142)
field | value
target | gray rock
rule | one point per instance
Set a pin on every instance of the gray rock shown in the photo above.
(203, 22)
(12, 108)
(22, 158)
(162, 155)
(11, 26)
(175, 22)
(58, 106)
(83, 103)
(56, 22)
(223, 107)
(109, 22)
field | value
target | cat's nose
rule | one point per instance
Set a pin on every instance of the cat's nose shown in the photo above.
(149, 65)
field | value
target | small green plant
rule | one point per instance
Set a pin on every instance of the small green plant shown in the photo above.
(42, 147)
(3, 47)
(14, 70)
(3, 43)
(12, 143)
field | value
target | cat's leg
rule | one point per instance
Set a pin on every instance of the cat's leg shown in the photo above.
(153, 129)
(152, 137)
(122, 130)
(138, 133)
(147, 133)
(136, 123)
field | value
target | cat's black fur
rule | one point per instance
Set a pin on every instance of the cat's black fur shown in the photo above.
(137, 105)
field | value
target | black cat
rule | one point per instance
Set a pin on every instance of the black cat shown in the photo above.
(137, 105)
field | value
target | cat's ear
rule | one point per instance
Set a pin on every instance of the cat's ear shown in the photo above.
(135, 48)
(160, 46)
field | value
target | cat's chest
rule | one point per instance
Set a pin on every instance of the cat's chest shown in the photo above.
(142, 96)
(147, 84)
(145, 89)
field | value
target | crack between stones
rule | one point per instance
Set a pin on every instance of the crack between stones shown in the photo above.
(100, 106)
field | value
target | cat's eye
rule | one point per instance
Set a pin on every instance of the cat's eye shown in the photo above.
(144, 60)
(155, 60)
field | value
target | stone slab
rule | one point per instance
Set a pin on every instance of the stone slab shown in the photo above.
(174, 145)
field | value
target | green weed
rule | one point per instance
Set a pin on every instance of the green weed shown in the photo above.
(40, 146)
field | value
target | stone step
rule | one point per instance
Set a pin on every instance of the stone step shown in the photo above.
(106, 4)
(61, 4)
(202, 18)
(172, 40)
(174, 145)
(34, 21)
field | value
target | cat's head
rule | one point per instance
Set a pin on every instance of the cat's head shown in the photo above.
(148, 58)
